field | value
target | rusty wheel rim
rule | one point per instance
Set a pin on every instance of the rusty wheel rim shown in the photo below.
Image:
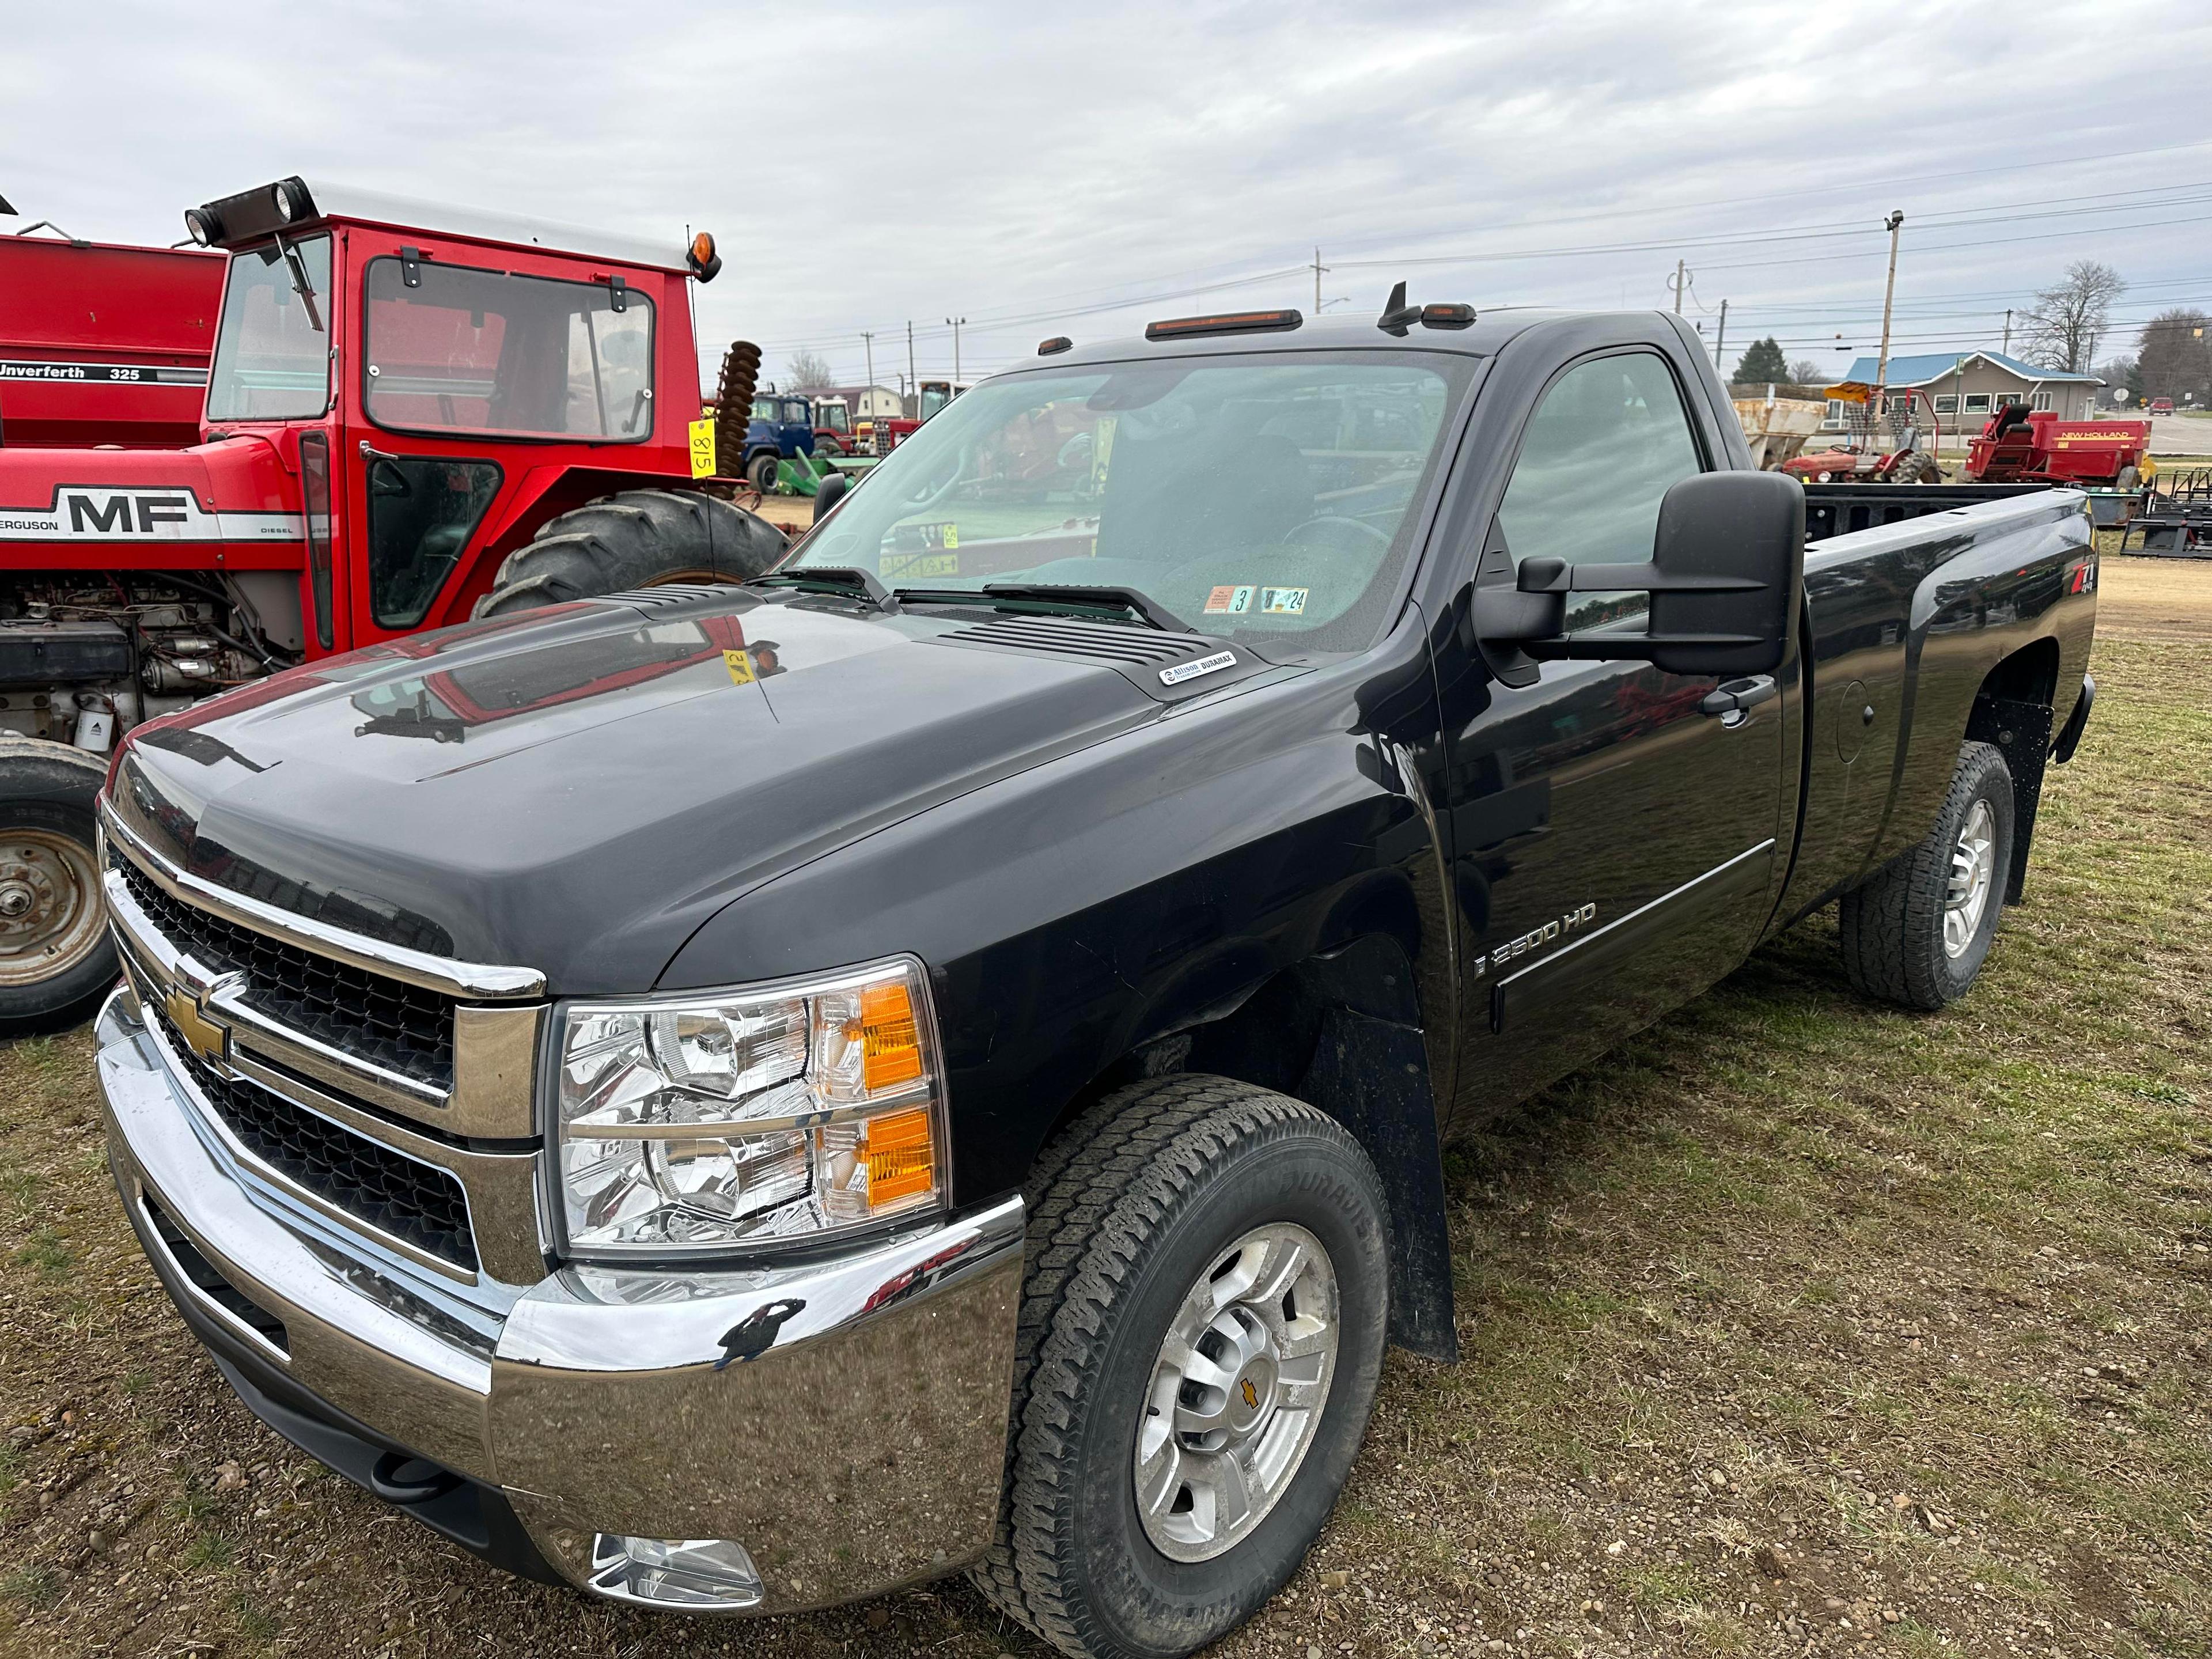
(50, 913)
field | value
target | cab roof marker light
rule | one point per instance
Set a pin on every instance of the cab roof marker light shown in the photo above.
(1448, 315)
(1055, 346)
(1227, 322)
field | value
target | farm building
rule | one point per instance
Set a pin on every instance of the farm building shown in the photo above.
(1967, 386)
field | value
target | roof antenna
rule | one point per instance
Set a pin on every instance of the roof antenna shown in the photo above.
(1397, 316)
(5, 209)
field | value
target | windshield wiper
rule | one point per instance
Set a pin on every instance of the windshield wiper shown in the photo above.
(301, 285)
(845, 582)
(1109, 603)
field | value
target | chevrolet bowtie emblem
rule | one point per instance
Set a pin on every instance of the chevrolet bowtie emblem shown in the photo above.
(206, 1038)
(1251, 1395)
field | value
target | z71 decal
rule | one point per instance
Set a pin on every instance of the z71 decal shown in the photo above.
(101, 513)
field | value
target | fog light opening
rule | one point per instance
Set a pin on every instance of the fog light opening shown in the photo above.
(683, 1572)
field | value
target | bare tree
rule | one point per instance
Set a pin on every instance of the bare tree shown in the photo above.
(2063, 329)
(1805, 371)
(809, 371)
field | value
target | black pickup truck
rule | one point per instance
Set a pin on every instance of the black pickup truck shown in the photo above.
(741, 1098)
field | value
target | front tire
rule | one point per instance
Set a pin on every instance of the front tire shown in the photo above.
(637, 538)
(1918, 930)
(57, 957)
(761, 473)
(1202, 1327)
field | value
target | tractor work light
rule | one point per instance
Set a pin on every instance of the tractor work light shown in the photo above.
(1230, 322)
(769, 1115)
(706, 265)
(200, 225)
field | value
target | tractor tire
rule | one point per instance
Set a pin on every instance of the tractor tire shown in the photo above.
(1920, 470)
(638, 539)
(827, 448)
(56, 958)
(2129, 481)
(760, 472)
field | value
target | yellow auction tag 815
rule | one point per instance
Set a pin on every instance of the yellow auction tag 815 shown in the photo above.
(702, 448)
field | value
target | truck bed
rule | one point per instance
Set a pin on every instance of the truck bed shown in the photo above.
(1905, 621)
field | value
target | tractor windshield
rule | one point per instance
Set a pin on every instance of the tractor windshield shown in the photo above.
(1258, 496)
(272, 349)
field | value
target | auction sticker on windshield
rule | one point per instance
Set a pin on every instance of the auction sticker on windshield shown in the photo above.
(1229, 601)
(1281, 601)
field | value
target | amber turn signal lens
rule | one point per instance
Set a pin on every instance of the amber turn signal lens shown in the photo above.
(702, 249)
(901, 1157)
(891, 1047)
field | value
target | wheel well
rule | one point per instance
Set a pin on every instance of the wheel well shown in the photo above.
(1341, 1032)
(2015, 710)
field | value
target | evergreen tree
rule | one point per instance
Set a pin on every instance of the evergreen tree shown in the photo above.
(1763, 362)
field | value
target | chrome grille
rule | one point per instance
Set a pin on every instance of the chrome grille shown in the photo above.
(387, 1022)
(410, 1200)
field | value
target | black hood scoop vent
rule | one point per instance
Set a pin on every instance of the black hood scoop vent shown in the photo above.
(1168, 668)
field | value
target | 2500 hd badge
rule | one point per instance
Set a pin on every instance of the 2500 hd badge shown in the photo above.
(971, 1095)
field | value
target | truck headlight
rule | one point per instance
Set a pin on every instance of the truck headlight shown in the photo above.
(749, 1118)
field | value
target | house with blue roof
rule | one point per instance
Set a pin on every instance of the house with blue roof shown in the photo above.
(1969, 387)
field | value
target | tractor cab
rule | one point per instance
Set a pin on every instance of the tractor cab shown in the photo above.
(432, 383)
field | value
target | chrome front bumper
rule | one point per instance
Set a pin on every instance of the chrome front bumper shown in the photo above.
(844, 1420)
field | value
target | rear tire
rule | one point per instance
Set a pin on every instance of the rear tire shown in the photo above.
(638, 539)
(1917, 931)
(760, 472)
(57, 957)
(1181, 1193)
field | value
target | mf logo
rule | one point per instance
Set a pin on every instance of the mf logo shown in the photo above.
(109, 513)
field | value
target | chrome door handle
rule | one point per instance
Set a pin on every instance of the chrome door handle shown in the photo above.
(1734, 700)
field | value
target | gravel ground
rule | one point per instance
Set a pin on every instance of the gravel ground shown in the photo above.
(1799, 1325)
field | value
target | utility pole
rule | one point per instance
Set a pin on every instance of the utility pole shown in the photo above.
(2007, 347)
(1681, 277)
(1318, 268)
(1720, 339)
(1888, 294)
(912, 379)
(956, 322)
(869, 397)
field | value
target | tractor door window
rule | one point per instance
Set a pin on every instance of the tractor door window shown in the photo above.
(422, 512)
(1607, 441)
(272, 350)
(463, 350)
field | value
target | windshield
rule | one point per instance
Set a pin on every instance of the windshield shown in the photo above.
(836, 417)
(1263, 495)
(272, 349)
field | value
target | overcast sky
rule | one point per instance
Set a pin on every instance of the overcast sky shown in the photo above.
(1027, 166)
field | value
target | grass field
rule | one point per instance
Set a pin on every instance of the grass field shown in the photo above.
(1799, 1325)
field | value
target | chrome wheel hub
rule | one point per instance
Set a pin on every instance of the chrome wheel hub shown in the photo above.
(1237, 1392)
(1973, 875)
(50, 913)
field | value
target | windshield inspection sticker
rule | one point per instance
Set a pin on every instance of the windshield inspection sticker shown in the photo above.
(1283, 601)
(1228, 600)
(1191, 671)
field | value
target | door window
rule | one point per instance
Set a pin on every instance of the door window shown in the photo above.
(1609, 441)
(422, 512)
(459, 349)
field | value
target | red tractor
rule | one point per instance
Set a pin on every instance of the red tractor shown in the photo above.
(413, 415)
(101, 344)
(1890, 436)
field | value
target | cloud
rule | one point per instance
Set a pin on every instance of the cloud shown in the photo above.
(864, 167)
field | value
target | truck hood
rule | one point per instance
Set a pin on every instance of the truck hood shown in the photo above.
(577, 789)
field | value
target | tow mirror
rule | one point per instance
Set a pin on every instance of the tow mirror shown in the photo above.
(828, 494)
(1727, 563)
